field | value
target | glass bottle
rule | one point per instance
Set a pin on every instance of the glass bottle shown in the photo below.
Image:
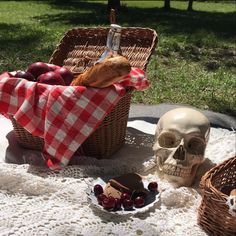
(115, 47)
(112, 43)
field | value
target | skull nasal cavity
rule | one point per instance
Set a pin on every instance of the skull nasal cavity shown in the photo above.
(179, 153)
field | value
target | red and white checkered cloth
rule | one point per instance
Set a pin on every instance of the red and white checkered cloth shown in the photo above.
(64, 116)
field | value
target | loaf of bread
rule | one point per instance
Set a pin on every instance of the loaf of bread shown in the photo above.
(111, 70)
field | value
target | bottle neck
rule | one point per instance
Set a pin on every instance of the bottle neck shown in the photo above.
(112, 43)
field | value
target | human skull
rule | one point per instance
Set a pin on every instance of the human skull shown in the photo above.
(231, 202)
(180, 140)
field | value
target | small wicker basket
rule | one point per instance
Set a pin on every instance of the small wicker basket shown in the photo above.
(213, 213)
(78, 50)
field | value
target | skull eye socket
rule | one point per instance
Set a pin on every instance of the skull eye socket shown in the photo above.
(231, 201)
(196, 146)
(167, 140)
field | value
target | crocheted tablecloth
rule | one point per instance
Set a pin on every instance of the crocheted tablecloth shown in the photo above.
(37, 201)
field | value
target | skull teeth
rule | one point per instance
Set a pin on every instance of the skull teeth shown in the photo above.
(176, 171)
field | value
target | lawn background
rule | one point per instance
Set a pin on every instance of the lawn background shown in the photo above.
(194, 63)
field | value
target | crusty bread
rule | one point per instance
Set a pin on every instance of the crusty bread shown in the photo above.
(110, 71)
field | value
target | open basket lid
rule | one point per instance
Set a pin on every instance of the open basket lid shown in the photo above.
(81, 47)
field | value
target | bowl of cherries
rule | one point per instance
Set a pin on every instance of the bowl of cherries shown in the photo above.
(126, 203)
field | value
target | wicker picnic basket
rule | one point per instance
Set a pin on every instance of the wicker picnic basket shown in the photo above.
(78, 50)
(213, 213)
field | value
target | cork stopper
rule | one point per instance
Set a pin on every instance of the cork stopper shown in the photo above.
(112, 16)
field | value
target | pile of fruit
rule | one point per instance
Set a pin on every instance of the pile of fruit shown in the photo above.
(46, 73)
(127, 201)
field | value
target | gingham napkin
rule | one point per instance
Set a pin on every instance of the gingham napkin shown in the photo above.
(64, 116)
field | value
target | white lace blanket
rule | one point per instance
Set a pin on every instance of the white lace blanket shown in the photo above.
(36, 201)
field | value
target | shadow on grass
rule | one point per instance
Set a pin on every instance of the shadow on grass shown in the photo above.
(27, 38)
(83, 13)
(19, 49)
(20, 45)
(224, 106)
(173, 22)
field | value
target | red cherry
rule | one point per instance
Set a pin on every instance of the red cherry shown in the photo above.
(109, 203)
(139, 202)
(101, 197)
(117, 204)
(128, 204)
(142, 194)
(125, 196)
(97, 189)
(152, 186)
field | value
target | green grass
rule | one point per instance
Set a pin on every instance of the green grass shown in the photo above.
(194, 63)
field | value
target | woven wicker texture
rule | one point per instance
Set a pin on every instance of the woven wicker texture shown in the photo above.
(213, 213)
(78, 50)
(81, 47)
(25, 138)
